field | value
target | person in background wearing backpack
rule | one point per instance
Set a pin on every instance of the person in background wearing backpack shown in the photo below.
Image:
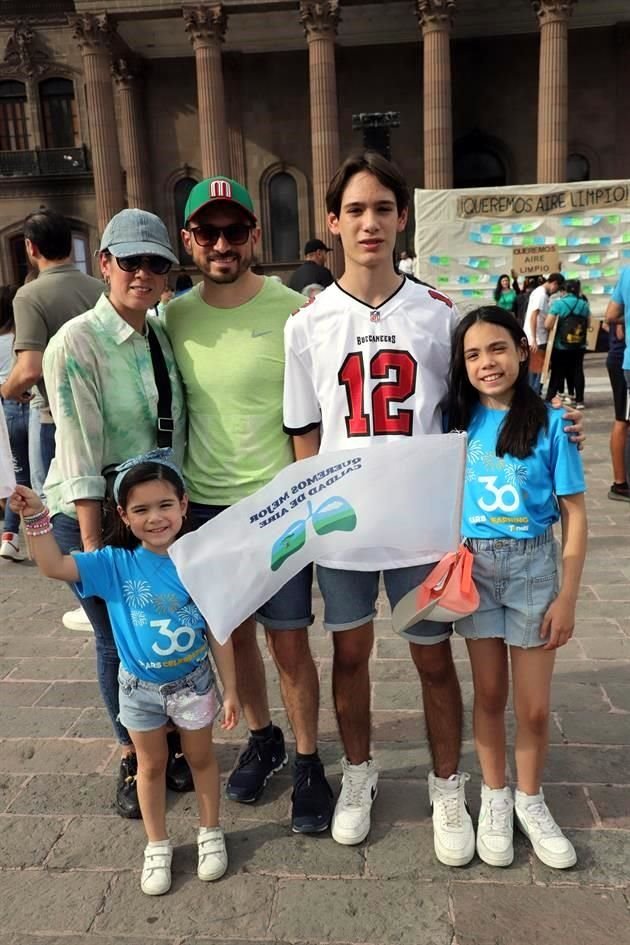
(567, 359)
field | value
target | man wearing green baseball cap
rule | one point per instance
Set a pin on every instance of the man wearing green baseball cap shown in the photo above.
(227, 335)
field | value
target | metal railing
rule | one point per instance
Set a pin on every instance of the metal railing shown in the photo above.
(51, 162)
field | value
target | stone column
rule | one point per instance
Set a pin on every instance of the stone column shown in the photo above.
(320, 20)
(435, 18)
(553, 18)
(133, 144)
(94, 34)
(206, 27)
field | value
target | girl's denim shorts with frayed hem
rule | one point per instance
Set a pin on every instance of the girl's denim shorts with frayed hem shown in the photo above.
(192, 702)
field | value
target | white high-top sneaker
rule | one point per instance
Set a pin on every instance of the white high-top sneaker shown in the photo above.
(535, 820)
(453, 834)
(495, 827)
(351, 819)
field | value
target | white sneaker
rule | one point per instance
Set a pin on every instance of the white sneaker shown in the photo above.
(77, 620)
(10, 547)
(213, 860)
(351, 819)
(534, 818)
(495, 827)
(453, 834)
(156, 873)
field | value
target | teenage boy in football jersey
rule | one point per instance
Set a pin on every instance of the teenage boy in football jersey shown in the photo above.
(388, 341)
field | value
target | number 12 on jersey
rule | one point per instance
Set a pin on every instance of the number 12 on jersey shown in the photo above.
(396, 372)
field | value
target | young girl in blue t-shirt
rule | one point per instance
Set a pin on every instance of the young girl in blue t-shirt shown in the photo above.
(522, 475)
(165, 673)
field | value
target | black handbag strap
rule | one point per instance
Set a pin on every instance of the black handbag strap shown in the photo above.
(165, 425)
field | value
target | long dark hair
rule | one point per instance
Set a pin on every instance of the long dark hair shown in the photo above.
(116, 532)
(527, 415)
(498, 290)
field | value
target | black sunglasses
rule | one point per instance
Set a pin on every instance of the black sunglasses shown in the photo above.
(157, 264)
(208, 235)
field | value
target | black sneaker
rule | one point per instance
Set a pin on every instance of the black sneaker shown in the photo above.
(619, 492)
(258, 762)
(178, 774)
(312, 798)
(127, 803)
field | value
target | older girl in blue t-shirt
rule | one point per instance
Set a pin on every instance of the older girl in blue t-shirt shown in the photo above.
(522, 475)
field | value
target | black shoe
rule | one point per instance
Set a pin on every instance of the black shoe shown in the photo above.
(127, 803)
(178, 774)
(312, 798)
(259, 761)
(619, 492)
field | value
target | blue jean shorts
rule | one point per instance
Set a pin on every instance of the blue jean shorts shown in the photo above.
(517, 580)
(291, 607)
(191, 702)
(350, 598)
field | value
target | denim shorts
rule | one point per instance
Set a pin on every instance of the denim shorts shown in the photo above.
(191, 702)
(350, 598)
(291, 607)
(517, 580)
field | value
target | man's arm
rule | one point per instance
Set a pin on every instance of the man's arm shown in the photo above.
(89, 513)
(532, 321)
(26, 371)
(307, 444)
(614, 312)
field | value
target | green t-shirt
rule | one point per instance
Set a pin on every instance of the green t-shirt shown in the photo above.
(232, 364)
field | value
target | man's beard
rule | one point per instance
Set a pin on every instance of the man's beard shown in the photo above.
(243, 261)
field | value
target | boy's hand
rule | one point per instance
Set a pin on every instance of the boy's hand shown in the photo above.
(231, 710)
(25, 502)
(558, 623)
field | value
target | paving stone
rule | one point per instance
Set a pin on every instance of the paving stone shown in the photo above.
(26, 644)
(586, 696)
(611, 804)
(91, 723)
(26, 841)
(607, 649)
(415, 762)
(567, 763)
(68, 794)
(22, 939)
(596, 728)
(61, 668)
(602, 860)
(78, 694)
(599, 628)
(21, 693)
(19, 722)
(397, 726)
(273, 850)
(373, 912)
(236, 906)
(397, 695)
(401, 802)
(53, 755)
(40, 900)
(10, 786)
(569, 805)
(612, 590)
(393, 852)
(7, 666)
(529, 915)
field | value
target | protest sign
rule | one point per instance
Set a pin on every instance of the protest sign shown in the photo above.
(527, 261)
(7, 471)
(404, 498)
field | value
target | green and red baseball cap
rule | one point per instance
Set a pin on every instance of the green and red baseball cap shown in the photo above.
(215, 189)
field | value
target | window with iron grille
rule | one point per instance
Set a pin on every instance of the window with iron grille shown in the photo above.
(13, 127)
(59, 113)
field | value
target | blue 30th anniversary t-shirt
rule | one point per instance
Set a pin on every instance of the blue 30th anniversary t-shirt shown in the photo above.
(516, 498)
(159, 631)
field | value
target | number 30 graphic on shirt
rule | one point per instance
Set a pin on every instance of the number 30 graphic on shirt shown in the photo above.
(174, 636)
(499, 494)
(390, 391)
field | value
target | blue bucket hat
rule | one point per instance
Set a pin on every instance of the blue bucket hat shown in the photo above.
(137, 233)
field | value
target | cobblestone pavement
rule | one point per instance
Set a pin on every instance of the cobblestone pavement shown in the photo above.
(69, 867)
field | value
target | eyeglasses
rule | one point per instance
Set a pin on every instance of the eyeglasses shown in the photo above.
(158, 265)
(206, 234)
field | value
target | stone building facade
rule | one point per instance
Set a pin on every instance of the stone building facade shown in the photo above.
(129, 103)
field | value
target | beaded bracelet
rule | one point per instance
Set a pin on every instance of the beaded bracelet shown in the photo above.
(41, 525)
(43, 512)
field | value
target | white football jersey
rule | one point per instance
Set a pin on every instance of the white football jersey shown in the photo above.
(368, 376)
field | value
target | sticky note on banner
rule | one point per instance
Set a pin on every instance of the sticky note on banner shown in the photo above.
(580, 221)
(440, 260)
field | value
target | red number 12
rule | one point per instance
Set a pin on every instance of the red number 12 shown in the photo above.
(387, 392)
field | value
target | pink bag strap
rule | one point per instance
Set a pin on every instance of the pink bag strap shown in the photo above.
(467, 565)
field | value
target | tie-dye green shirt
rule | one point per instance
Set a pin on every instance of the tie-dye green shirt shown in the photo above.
(102, 393)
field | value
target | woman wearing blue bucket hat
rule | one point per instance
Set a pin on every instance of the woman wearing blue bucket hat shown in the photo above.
(114, 392)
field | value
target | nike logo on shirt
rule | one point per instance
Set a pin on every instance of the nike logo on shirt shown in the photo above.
(257, 334)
